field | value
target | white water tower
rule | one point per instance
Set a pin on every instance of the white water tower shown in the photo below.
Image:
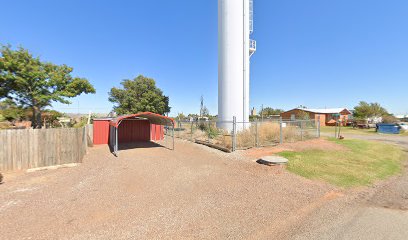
(235, 48)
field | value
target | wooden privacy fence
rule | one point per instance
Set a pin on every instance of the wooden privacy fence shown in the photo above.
(32, 148)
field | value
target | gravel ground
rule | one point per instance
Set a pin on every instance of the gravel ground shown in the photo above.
(154, 193)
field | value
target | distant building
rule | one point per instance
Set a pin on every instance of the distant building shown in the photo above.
(327, 117)
(253, 112)
(402, 118)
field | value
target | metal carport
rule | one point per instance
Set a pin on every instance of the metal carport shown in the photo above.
(153, 118)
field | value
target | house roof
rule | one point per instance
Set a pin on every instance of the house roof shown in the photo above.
(324, 110)
(152, 117)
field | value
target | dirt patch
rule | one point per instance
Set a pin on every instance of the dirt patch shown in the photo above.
(333, 195)
(393, 193)
(315, 144)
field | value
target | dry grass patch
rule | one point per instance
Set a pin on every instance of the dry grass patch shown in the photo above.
(360, 163)
(314, 144)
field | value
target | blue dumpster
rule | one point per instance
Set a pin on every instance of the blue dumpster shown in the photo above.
(388, 128)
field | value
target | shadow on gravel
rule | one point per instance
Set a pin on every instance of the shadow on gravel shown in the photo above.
(133, 145)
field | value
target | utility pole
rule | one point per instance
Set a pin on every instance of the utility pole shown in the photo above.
(202, 106)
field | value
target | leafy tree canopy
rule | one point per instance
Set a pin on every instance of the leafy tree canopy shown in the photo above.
(181, 116)
(369, 110)
(205, 112)
(10, 111)
(302, 115)
(268, 111)
(36, 84)
(139, 95)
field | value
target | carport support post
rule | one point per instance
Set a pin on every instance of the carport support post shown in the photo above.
(172, 131)
(116, 141)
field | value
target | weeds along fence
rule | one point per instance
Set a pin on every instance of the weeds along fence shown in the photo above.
(32, 148)
(234, 135)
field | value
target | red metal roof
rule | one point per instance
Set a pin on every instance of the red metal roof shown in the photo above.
(152, 117)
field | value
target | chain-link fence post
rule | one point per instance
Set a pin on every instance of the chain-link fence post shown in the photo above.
(234, 134)
(301, 130)
(335, 130)
(208, 132)
(281, 130)
(340, 126)
(191, 133)
(318, 127)
(256, 133)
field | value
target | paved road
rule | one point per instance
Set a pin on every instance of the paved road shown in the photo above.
(376, 213)
(363, 223)
(394, 139)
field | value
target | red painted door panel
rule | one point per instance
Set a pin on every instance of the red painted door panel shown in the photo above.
(134, 131)
(101, 132)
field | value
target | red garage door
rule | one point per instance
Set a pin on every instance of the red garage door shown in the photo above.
(129, 131)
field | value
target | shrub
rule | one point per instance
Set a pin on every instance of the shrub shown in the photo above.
(389, 119)
(210, 130)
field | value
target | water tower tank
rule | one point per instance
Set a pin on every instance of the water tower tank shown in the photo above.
(235, 24)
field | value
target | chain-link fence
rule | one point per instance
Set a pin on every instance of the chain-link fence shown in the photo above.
(231, 135)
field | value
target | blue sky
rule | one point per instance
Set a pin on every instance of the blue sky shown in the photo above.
(316, 53)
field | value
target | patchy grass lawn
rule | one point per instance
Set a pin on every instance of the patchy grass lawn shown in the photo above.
(360, 163)
(350, 130)
(358, 131)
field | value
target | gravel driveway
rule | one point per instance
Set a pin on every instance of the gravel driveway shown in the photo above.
(155, 193)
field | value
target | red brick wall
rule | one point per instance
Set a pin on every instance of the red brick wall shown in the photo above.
(324, 118)
(288, 115)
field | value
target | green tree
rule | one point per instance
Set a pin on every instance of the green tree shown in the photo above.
(389, 119)
(369, 110)
(303, 115)
(181, 116)
(36, 84)
(205, 112)
(268, 111)
(10, 111)
(139, 95)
